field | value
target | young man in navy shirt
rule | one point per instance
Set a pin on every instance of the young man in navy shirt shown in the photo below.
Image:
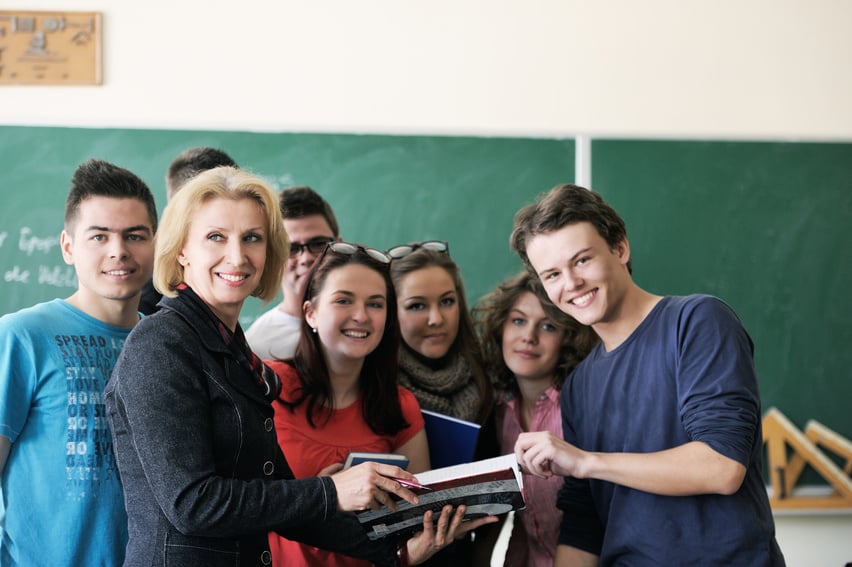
(662, 443)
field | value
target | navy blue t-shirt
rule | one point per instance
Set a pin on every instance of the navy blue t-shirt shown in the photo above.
(685, 374)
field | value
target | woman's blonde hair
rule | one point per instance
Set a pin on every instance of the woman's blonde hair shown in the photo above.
(219, 183)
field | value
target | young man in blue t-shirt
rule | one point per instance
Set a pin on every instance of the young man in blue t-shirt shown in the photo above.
(662, 442)
(62, 502)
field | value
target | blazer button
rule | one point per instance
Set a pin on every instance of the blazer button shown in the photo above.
(268, 468)
(268, 424)
(266, 558)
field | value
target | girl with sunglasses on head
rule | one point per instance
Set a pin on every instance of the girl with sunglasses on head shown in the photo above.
(339, 392)
(440, 359)
(530, 347)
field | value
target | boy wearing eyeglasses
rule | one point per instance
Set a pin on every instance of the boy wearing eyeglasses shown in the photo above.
(310, 225)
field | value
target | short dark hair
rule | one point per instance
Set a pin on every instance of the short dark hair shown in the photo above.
(302, 201)
(98, 178)
(563, 205)
(190, 163)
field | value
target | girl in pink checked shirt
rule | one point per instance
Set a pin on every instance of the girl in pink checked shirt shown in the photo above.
(530, 347)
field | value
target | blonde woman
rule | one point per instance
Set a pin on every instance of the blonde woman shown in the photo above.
(190, 405)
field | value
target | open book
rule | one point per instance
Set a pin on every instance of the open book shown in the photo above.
(488, 487)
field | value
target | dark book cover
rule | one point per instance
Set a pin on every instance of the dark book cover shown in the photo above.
(452, 441)
(358, 457)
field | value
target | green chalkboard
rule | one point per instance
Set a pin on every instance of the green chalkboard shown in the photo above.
(385, 190)
(765, 226)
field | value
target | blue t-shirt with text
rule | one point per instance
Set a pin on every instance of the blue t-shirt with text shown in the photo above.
(62, 502)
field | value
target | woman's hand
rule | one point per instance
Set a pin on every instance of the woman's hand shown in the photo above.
(436, 536)
(371, 486)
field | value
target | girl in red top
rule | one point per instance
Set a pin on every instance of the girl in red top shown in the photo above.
(339, 392)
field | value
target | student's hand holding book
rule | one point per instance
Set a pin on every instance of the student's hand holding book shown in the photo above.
(437, 535)
(453, 501)
(544, 454)
(370, 485)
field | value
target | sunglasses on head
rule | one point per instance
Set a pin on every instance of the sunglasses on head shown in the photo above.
(404, 250)
(314, 245)
(348, 249)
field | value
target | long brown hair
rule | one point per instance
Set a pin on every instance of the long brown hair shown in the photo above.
(491, 313)
(380, 404)
(466, 343)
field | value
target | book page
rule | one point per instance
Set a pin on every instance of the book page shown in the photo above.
(471, 469)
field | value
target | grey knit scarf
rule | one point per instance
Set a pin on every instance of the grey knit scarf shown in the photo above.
(449, 389)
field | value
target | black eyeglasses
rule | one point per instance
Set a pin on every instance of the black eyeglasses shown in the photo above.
(348, 249)
(404, 250)
(314, 246)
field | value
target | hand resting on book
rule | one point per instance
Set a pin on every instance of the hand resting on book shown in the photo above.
(370, 486)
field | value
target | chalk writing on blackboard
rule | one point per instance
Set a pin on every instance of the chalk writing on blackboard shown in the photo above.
(29, 243)
(45, 271)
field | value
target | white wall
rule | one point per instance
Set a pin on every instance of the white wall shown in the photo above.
(819, 539)
(764, 69)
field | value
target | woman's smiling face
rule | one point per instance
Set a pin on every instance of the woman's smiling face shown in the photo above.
(224, 254)
(428, 311)
(350, 312)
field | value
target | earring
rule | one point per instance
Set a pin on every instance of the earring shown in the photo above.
(314, 329)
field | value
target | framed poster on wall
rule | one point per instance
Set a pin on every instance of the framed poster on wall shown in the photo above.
(50, 48)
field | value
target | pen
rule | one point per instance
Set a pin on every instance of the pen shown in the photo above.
(410, 484)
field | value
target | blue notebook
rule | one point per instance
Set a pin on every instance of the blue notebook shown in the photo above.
(358, 457)
(452, 441)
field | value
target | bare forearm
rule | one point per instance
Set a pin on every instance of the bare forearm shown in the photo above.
(693, 468)
(417, 451)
